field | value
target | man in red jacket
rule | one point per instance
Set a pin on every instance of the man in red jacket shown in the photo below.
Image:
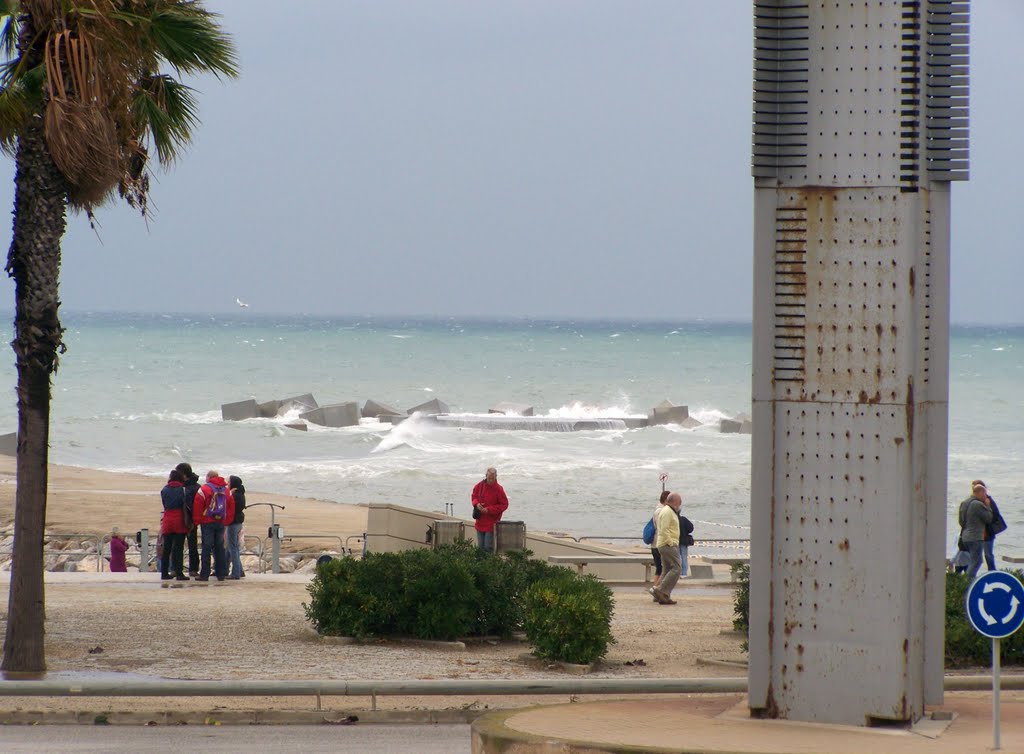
(489, 502)
(213, 510)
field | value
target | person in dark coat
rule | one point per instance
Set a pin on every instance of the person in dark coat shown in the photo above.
(173, 528)
(191, 482)
(235, 528)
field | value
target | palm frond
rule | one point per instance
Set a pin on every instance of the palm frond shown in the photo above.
(184, 34)
(20, 96)
(9, 31)
(167, 109)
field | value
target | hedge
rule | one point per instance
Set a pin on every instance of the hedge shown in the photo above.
(457, 591)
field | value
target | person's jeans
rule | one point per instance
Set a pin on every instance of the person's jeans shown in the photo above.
(684, 560)
(485, 540)
(235, 550)
(988, 548)
(193, 550)
(213, 542)
(974, 552)
(670, 566)
(174, 549)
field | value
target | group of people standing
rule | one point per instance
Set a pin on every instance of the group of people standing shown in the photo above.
(216, 511)
(980, 522)
(673, 535)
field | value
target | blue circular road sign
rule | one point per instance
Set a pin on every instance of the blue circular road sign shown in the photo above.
(995, 604)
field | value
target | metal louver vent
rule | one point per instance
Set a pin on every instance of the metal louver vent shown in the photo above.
(910, 95)
(781, 55)
(946, 90)
(790, 293)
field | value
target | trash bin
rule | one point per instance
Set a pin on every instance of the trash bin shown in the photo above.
(448, 532)
(509, 535)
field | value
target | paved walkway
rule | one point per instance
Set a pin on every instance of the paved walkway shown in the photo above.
(720, 723)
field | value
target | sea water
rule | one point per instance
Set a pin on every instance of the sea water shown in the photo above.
(140, 393)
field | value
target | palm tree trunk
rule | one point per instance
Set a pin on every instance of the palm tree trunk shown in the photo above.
(34, 263)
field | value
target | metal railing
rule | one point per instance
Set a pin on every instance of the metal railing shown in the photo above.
(166, 687)
(79, 553)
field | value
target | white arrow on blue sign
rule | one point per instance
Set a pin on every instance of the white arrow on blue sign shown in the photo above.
(995, 604)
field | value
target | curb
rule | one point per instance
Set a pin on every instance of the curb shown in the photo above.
(146, 718)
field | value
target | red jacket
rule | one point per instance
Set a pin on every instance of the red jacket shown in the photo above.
(202, 498)
(494, 501)
(173, 519)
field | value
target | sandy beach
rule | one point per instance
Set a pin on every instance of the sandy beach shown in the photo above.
(256, 628)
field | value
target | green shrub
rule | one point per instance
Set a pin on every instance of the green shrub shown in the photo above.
(741, 598)
(568, 617)
(456, 590)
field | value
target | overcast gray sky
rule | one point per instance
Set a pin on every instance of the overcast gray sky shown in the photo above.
(579, 158)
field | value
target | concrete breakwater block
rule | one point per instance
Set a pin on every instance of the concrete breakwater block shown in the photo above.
(434, 406)
(304, 402)
(9, 444)
(667, 412)
(741, 425)
(511, 409)
(233, 412)
(372, 409)
(301, 426)
(336, 415)
(269, 409)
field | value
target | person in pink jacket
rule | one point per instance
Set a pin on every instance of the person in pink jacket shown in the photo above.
(118, 547)
(489, 503)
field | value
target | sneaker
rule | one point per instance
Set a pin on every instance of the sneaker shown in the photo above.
(659, 595)
(669, 601)
(181, 577)
(165, 576)
(202, 578)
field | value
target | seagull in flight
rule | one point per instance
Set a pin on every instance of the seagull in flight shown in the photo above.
(241, 303)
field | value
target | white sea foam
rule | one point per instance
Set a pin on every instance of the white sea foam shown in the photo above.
(580, 410)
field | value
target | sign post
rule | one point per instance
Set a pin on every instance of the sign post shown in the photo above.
(995, 608)
(663, 476)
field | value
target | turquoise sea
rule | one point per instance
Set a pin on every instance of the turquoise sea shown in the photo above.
(139, 393)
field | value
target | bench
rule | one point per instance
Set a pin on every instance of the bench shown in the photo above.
(1012, 559)
(729, 560)
(581, 561)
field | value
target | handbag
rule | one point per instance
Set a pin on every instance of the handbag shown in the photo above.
(960, 544)
(998, 524)
(476, 512)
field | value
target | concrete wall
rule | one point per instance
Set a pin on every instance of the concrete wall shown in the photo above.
(392, 528)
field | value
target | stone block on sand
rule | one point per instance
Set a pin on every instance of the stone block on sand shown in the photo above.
(233, 412)
(305, 402)
(9, 444)
(434, 406)
(511, 409)
(269, 409)
(701, 572)
(336, 415)
(372, 409)
(667, 413)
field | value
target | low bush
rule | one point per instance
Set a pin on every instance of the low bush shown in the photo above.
(568, 618)
(741, 598)
(455, 590)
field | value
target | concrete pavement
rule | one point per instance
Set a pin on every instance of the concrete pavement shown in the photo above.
(720, 723)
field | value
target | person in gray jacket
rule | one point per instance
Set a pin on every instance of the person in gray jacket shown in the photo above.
(975, 515)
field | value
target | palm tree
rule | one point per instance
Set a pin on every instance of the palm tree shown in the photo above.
(83, 100)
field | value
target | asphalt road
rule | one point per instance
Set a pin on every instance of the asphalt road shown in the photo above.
(376, 738)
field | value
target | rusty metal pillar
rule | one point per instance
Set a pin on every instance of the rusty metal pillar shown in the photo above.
(860, 123)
